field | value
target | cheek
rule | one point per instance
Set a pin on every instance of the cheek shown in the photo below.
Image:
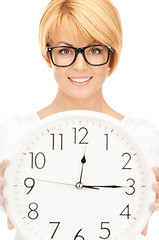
(101, 72)
(59, 73)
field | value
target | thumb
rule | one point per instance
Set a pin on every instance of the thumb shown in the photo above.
(144, 231)
(10, 225)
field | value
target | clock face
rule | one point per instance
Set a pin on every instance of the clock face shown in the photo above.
(78, 175)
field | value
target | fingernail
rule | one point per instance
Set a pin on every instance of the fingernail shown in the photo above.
(156, 169)
(155, 186)
(10, 227)
(144, 232)
(157, 206)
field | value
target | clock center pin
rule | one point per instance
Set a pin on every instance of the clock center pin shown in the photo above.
(79, 185)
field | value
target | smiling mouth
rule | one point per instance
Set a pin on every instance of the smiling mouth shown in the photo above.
(80, 80)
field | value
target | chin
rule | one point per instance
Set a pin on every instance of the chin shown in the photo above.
(81, 96)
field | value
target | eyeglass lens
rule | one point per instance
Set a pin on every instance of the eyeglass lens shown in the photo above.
(95, 55)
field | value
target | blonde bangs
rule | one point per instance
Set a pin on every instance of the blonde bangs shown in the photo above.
(71, 26)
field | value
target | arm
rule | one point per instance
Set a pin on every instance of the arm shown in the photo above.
(155, 205)
(3, 167)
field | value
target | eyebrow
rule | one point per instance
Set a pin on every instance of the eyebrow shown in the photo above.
(72, 45)
(66, 44)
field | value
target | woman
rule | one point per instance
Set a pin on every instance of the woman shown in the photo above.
(81, 40)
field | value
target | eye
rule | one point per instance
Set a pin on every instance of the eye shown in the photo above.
(64, 51)
(95, 51)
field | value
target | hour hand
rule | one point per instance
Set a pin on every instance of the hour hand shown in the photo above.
(106, 186)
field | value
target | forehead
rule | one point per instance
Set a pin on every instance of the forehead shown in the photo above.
(73, 37)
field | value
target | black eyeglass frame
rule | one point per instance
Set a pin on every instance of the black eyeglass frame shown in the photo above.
(78, 50)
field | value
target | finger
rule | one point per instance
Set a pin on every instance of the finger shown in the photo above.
(156, 188)
(156, 172)
(1, 192)
(155, 206)
(1, 182)
(144, 231)
(1, 185)
(0, 169)
(4, 165)
(10, 225)
(1, 201)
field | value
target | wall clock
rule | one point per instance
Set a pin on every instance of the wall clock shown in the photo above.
(79, 175)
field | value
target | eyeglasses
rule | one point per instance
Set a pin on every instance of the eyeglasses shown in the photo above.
(95, 55)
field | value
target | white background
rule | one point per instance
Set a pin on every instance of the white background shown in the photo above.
(27, 84)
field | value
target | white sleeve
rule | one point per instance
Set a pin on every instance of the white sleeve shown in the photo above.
(148, 136)
(10, 133)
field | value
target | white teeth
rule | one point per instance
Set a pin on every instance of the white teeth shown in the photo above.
(80, 80)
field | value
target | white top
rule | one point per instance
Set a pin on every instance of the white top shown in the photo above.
(13, 129)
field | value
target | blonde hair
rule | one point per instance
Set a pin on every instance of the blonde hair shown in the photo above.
(97, 20)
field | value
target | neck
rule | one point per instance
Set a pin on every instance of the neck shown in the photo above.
(63, 102)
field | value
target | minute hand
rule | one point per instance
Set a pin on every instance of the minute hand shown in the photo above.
(106, 186)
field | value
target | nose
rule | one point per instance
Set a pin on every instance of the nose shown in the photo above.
(80, 62)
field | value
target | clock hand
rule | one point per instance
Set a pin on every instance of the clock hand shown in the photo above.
(80, 186)
(83, 161)
(43, 180)
(107, 186)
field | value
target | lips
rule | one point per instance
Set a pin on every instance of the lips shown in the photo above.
(80, 79)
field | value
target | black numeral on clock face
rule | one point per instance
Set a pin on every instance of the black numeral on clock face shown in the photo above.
(126, 212)
(33, 214)
(131, 186)
(127, 156)
(57, 223)
(58, 138)
(29, 183)
(106, 141)
(105, 230)
(85, 133)
(78, 236)
(38, 160)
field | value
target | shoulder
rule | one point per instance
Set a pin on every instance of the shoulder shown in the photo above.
(12, 130)
(11, 125)
(141, 127)
(18, 124)
(147, 134)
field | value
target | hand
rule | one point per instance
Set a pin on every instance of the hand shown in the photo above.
(155, 205)
(3, 167)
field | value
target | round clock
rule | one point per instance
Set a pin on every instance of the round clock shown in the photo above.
(79, 175)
